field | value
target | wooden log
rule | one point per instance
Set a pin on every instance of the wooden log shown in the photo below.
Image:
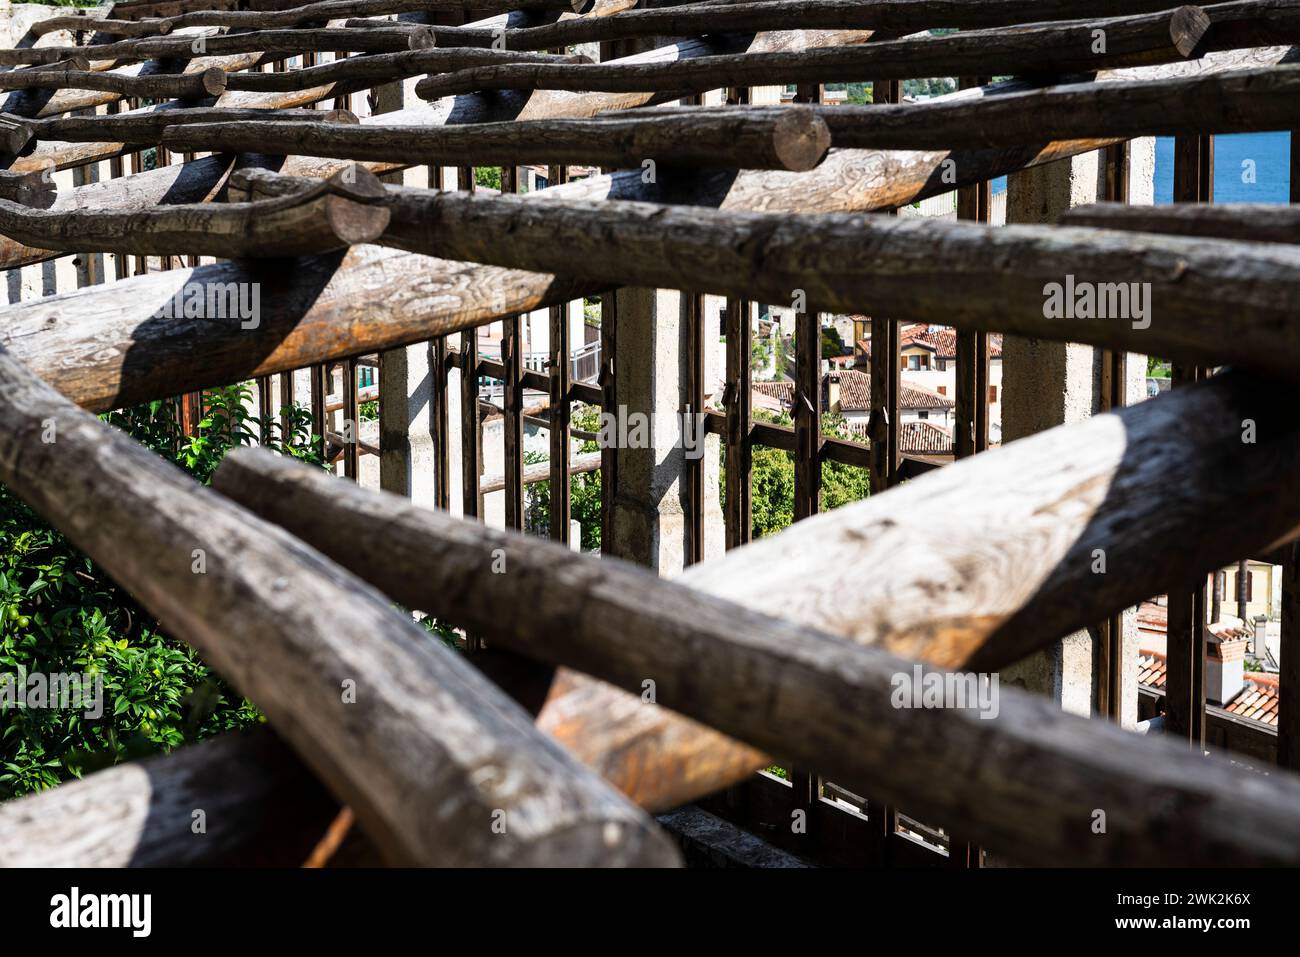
(796, 692)
(35, 188)
(15, 133)
(193, 182)
(160, 86)
(1055, 48)
(540, 472)
(298, 14)
(77, 62)
(42, 103)
(789, 139)
(336, 213)
(907, 16)
(157, 26)
(146, 127)
(286, 42)
(431, 756)
(253, 791)
(1248, 222)
(1167, 296)
(1232, 102)
(386, 67)
(105, 358)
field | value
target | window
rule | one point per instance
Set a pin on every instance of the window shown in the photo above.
(923, 414)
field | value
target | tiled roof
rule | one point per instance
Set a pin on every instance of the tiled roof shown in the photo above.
(782, 390)
(1258, 701)
(942, 339)
(915, 438)
(1151, 669)
(855, 394)
(924, 438)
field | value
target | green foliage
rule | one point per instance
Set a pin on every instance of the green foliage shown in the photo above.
(61, 614)
(772, 479)
(1157, 368)
(760, 352)
(832, 344)
(584, 490)
(489, 176)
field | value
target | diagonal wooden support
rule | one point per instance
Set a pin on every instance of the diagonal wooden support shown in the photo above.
(439, 764)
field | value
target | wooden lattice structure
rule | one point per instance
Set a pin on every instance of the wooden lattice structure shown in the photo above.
(279, 135)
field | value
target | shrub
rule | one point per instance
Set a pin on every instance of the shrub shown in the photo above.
(60, 613)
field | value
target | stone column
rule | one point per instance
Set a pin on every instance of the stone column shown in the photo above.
(1046, 384)
(406, 461)
(651, 376)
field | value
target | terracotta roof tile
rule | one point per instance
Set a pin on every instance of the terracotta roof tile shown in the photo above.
(1257, 701)
(855, 394)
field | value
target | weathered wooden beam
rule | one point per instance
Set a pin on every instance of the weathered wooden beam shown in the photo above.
(1168, 296)
(106, 357)
(34, 188)
(540, 472)
(440, 766)
(158, 26)
(193, 182)
(323, 40)
(1250, 222)
(297, 14)
(788, 139)
(796, 692)
(42, 103)
(158, 86)
(336, 213)
(387, 67)
(1055, 48)
(1232, 102)
(900, 16)
(260, 806)
(146, 127)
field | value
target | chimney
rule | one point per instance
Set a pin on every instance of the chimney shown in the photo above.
(1259, 647)
(1225, 665)
(833, 392)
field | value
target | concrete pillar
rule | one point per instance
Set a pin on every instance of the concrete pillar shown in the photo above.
(1046, 384)
(650, 501)
(406, 462)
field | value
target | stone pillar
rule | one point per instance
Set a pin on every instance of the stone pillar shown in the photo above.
(651, 376)
(406, 461)
(1046, 384)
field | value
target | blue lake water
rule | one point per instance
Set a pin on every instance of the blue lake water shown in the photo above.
(1269, 156)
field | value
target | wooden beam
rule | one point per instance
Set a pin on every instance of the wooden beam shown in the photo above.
(1242, 101)
(287, 42)
(34, 188)
(387, 67)
(1000, 277)
(155, 27)
(402, 729)
(1248, 222)
(145, 128)
(158, 86)
(825, 703)
(104, 359)
(907, 16)
(790, 139)
(1130, 41)
(260, 806)
(334, 214)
